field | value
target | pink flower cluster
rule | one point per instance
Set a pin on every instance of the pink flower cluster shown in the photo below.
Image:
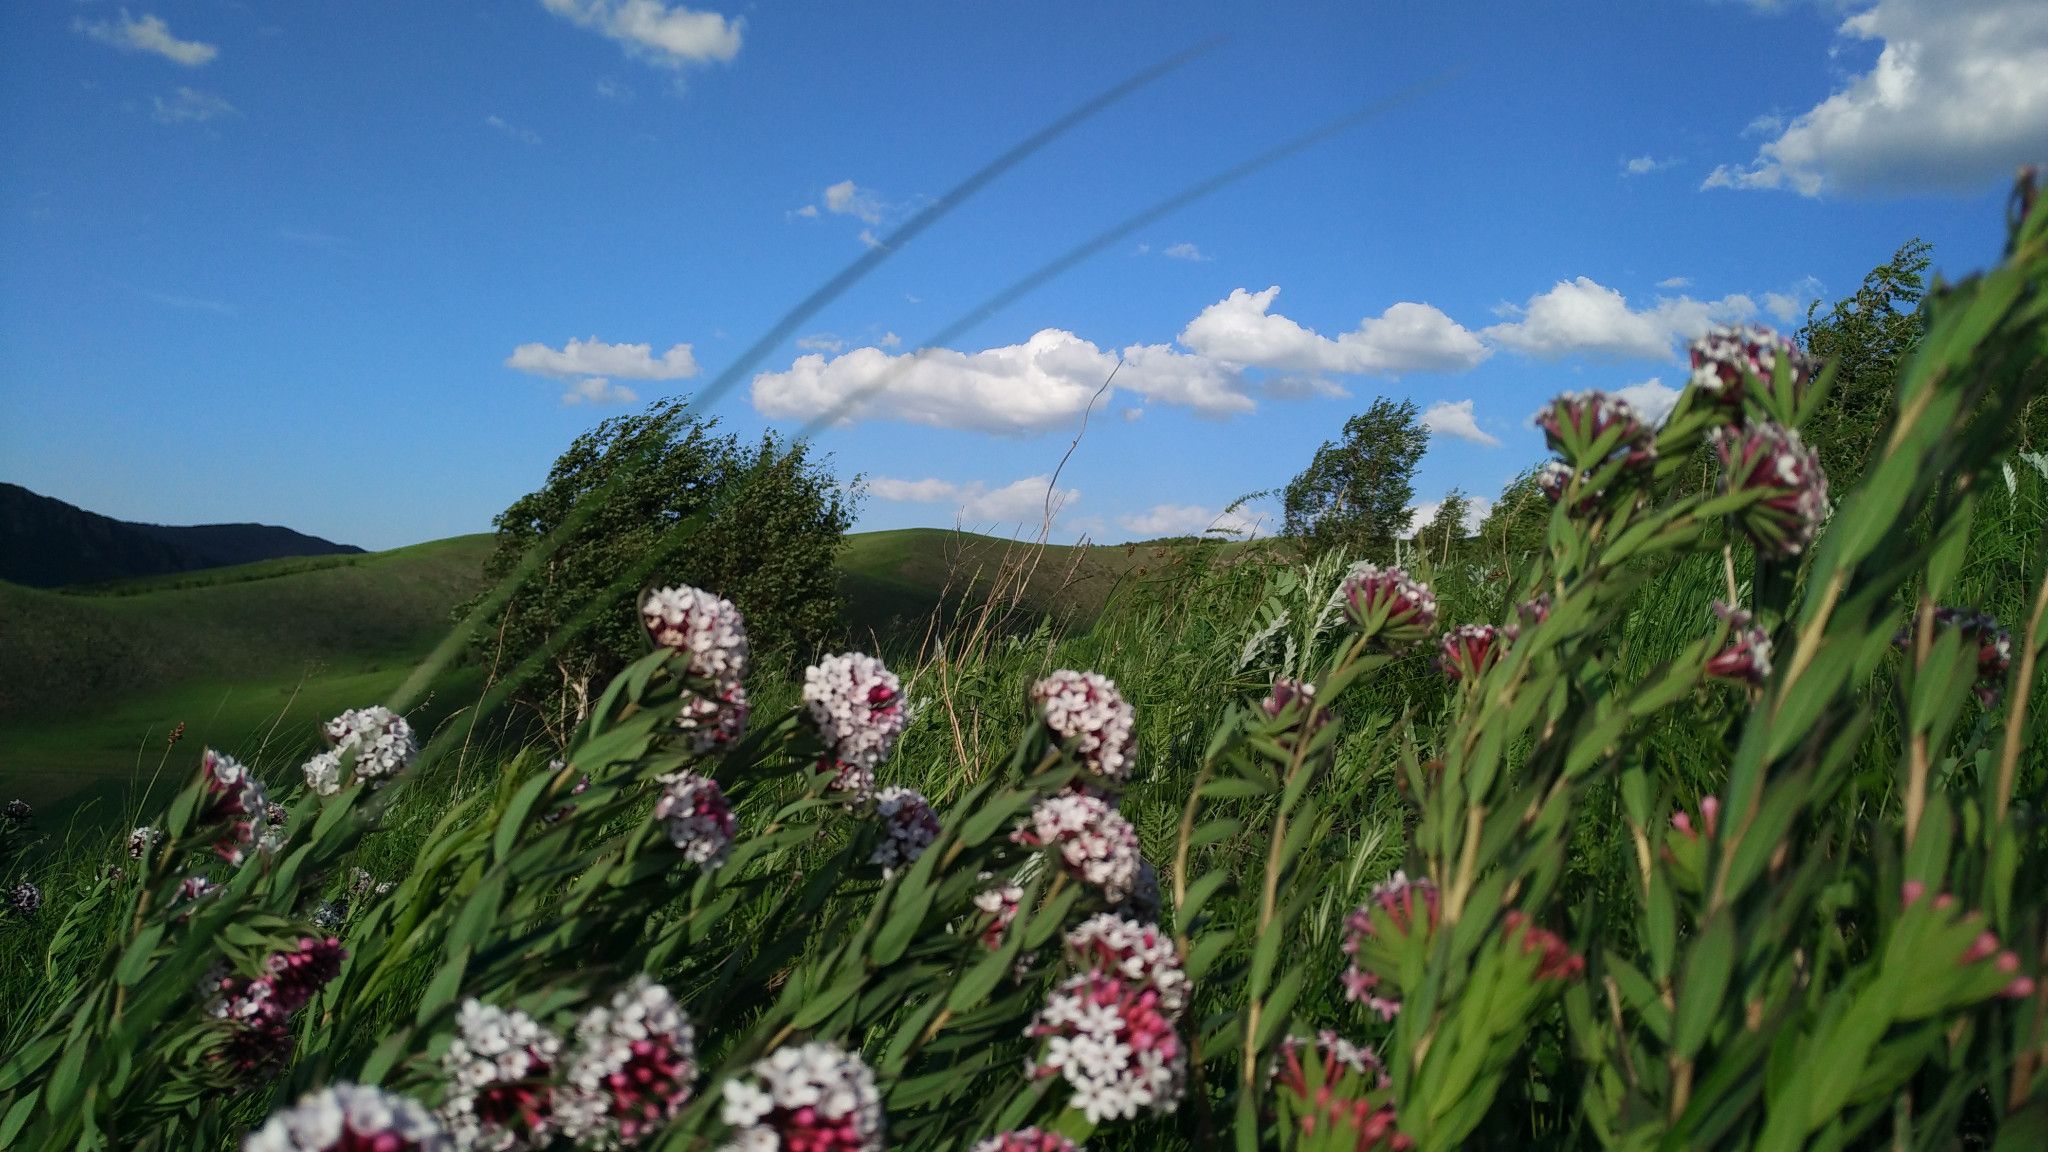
(701, 625)
(714, 720)
(1994, 646)
(234, 801)
(1710, 818)
(349, 1118)
(1986, 947)
(1748, 656)
(1294, 701)
(1096, 844)
(632, 1069)
(813, 1097)
(1556, 959)
(1027, 1140)
(1092, 717)
(1593, 429)
(1000, 903)
(499, 1096)
(857, 706)
(1388, 604)
(1770, 461)
(1139, 954)
(1528, 614)
(1115, 1045)
(700, 821)
(1727, 357)
(1339, 1104)
(1469, 650)
(258, 1012)
(908, 827)
(380, 741)
(1401, 904)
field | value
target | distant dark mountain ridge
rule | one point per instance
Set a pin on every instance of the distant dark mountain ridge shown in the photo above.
(46, 543)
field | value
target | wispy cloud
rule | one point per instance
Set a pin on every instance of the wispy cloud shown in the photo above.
(849, 199)
(666, 36)
(1644, 165)
(193, 303)
(149, 34)
(512, 131)
(598, 390)
(1019, 502)
(1184, 251)
(191, 106)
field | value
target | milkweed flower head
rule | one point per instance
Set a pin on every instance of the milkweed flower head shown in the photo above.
(234, 801)
(1027, 1140)
(142, 840)
(1388, 604)
(1327, 1091)
(714, 720)
(1528, 614)
(1144, 903)
(1294, 701)
(1138, 954)
(1747, 658)
(350, 1118)
(1591, 430)
(699, 819)
(1554, 478)
(1000, 903)
(380, 742)
(17, 812)
(908, 827)
(1994, 646)
(257, 1011)
(1096, 845)
(632, 1069)
(1729, 357)
(1113, 1044)
(1985, 956)
(1468, 650)
(498, 1094)
(1555, 959)
(813, 1097)
(856, 704)
(1396, 907)
(1094, 720)
(194, 887)
(702, 625)
(1770, 461)
(24, 899)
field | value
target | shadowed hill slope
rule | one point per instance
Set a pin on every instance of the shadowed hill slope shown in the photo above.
(46, 543)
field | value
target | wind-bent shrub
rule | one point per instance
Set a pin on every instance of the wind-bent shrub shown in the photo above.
(707, 927)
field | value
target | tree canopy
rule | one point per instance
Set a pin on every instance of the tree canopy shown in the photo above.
(759, 524)
(1355, 492)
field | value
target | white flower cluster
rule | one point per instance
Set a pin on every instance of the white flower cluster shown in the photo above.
(1113, 1046)
(857, 705)
(380, 740)
(1087, 711)
(142, 840)
(349, 1118)
(498, 1095)
(632, 1070)
(908, 827)
(1096, 844)
(1138, 954)
(700, 821)
(716, 721)
(1027, 1140)
(814, 1097)
(1358, 1059)
(702, 624)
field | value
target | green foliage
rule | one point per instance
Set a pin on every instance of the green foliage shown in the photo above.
(1868, 336)
(762, 523)
(1355, 493)
(1448, 525)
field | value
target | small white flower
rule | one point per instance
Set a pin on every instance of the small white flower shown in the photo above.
(347, 1118)
(705, 626)
(857, 705)
(908, 827)
(1088, 712)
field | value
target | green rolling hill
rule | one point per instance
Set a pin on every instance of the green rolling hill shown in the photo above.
(250, 658)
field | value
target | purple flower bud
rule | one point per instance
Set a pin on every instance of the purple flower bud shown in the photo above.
(1770, 461)
(1388, 604)
(1748, 655)
(1728, 359)
(1469, 650)
(1591, 429)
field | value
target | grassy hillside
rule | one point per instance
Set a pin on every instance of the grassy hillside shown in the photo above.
(250, 658)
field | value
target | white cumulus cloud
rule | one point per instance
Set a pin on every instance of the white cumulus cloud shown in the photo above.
(821, 342)
(1957, 98)
(658, 33)
(1046, 382)
(148, 34)
(190, 106)
(1022, 501)
(1455, 419)
(1407, 337)
(594, 357)
(849, 199)
(1583, 317)
(1190, 520)
(1652, 399)
(1644, 165)
(1185, 251)
(598, 390)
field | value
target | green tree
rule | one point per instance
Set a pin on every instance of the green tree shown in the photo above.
(1434, 538)
(771, 526)
(1869, 336)
(1518, 523)
(1355, 493)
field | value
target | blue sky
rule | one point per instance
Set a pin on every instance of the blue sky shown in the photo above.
(364, 269)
